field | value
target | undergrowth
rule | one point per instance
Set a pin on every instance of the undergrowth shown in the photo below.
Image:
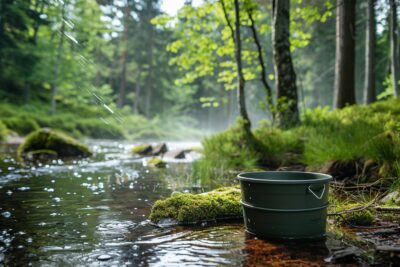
(353, 133)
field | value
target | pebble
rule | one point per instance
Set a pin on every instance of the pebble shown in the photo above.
(6, 214)
(104, 257)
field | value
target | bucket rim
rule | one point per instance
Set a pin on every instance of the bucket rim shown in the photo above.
(320, 177)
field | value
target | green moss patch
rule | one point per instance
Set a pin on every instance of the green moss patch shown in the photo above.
(188, 208)
(143, 149)
(53, 143)
(157, 162)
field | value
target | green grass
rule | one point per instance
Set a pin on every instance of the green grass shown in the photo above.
(354, 133)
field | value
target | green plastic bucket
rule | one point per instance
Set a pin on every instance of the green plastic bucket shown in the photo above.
(285, 205)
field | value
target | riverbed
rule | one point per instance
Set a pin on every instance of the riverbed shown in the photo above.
(93, 212)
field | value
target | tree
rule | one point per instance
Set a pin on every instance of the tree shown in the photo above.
(250, 7)
(285, 76)
(124, 56)
(345, 54)
(54, 87)
(369, 80)
(394, 52)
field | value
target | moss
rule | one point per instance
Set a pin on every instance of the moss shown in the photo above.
(50, 140)
(144, 149)
(361, 218)
(193, 208)
(156, 162)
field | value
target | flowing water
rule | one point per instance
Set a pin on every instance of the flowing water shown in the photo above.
(94, 213)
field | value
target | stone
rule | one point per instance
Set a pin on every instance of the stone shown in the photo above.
(187, 208)
(176, 154)
(160, 149)
(391, 198)
(144, 150)
(51, 143)
(104, 257)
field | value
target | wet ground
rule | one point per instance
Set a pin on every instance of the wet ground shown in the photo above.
(94, 213)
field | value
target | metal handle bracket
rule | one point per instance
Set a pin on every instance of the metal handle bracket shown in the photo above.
(314, 194)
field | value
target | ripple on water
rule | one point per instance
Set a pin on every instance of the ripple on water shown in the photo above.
(205, 247)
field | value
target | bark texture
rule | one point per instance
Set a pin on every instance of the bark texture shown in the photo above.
(394, 52)
(241, 82)
(369, 82)
(285, 76)
(345, 54)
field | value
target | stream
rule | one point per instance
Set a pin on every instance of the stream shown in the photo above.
(93, 212)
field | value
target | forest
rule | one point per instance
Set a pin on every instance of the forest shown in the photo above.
(122, 118)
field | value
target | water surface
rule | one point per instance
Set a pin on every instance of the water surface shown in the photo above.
(94, 212)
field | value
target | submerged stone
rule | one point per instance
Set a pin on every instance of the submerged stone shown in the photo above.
(187, 208)
(104, 257)
(46, 143)
(144, 150)
(157, 163)
(176, 154)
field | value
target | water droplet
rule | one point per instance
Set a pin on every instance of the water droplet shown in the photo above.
(24, 188)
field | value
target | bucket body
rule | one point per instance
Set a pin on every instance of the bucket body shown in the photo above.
(285, 205)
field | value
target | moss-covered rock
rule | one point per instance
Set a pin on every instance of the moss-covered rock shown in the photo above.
(49, 142)
(144, 150)
(157, 163)
(188, 208)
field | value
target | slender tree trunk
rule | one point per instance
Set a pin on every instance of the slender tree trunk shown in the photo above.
(124, 60)
(58, 62)
(288, 113)
(369, 81)
(241, 81)
(261, 62)
(37, 24)
(235, 35)
(395, 61)
(345, 53)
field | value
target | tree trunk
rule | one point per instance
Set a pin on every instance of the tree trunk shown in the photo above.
(58, 62)
(124, 60)
(395, 64)
(262, 64)
(241, 82)
(345, 53)
(285, 77)
(369, 82)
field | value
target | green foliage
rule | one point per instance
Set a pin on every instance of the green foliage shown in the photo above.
(3, 131)
(228, 150)
(21, 124)
(191, 208)
(50, 140)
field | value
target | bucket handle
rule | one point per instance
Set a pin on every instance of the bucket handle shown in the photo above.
(315, 195)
